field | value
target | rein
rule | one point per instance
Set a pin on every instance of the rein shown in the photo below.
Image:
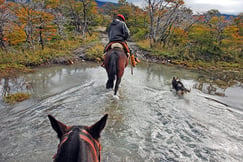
(85, 136)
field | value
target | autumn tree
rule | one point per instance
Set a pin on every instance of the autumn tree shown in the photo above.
(239, 23)
(54, 7)
(89, 13)
(209, 14)
(163, 14)
(217, 25)
(153, 7)
(5, 14)
(233, 39)
(178, 35)
(138, 22)
(26, 17)
(108, 9)
(80, 14)
(14, 34)
(37, 24)
(200, 38)
(44, 27)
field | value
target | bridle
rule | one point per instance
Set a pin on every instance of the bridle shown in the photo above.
(84, 135)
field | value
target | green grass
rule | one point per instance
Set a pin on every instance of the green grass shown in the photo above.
(19, 59)
(39, 56)
(12, 69)
(157, 50)
(174, 55)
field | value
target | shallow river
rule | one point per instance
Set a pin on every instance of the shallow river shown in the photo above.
(148, 123)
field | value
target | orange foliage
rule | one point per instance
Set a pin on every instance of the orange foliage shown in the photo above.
(232, 36)
(2, 2)
(14, 34)
(38, 21)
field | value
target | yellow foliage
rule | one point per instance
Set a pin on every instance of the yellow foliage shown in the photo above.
(96, 52)
(14, 34)
(232, 35)
(2, 2)
(144, 44)
(52, 3)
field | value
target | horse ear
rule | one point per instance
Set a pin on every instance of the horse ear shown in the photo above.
(96, 129)
(59, 127)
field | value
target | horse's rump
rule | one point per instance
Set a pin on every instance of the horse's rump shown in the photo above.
(115, 62)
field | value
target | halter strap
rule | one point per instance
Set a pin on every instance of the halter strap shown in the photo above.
(91, 143)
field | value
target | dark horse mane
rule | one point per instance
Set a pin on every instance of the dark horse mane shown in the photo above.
(69, 150)
(78, 143)
(115, 63)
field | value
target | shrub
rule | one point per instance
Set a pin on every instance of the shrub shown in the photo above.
(95, 53)
(17, 97)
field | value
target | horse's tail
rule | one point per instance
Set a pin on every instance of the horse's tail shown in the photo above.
(112, 72)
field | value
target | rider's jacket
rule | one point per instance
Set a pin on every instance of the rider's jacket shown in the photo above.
(118, 31)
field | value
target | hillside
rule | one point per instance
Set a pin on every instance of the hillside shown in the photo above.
(102, 3)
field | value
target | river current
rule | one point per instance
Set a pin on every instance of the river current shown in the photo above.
(149, 122)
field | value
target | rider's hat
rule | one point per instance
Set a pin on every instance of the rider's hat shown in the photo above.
(121, 16)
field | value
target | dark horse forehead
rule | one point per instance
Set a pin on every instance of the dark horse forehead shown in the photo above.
(78, 128)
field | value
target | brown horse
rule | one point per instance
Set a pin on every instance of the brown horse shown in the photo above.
(78, 143)
(115, 62)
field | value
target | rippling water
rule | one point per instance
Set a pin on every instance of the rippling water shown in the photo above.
(148, 122)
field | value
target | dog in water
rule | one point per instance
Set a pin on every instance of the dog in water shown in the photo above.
(178, 86)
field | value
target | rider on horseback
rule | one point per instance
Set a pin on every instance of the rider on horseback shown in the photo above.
(118, 32)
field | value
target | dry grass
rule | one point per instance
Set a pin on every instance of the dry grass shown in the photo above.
(17, 97)
(96, 52)
(16, 58)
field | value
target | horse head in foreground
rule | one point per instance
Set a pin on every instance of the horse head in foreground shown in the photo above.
(78, 143)
(115, 62)
(178, 86)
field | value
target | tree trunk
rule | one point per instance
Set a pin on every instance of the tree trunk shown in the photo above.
(151, 14)
(85, 19)
(40, 34)
(2, 45)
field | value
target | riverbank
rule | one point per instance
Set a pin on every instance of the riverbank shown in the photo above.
(152, 56)
(223, 74)
(14, 61)
(93, 51)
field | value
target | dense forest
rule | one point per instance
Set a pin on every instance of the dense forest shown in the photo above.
(33, 32)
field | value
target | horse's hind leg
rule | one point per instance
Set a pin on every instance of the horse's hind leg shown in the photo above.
(109, 84)
(118, 81)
